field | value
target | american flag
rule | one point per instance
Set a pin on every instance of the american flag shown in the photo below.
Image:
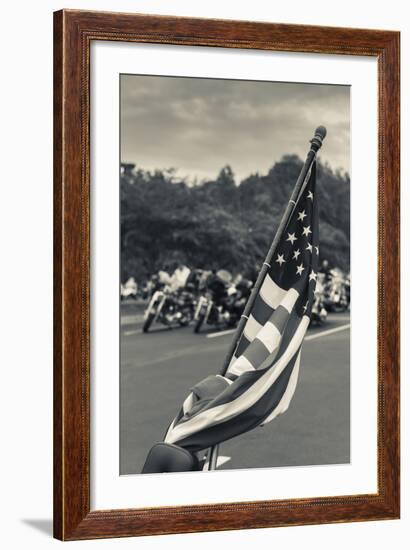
(262, 375)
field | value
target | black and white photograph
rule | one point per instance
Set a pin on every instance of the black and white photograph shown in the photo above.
(235, 274)
(189, 191)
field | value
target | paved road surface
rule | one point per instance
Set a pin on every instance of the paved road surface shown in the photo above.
(158, 368)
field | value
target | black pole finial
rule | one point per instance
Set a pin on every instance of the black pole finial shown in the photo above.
(316, 142)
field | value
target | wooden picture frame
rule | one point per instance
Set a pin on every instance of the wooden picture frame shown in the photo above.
(74, 32)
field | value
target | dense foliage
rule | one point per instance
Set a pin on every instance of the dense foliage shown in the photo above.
(219, 224)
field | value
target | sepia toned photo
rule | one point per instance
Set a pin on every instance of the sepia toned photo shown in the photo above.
(235, 274)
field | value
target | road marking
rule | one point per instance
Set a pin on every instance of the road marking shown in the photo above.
(131, 320)
(222, 460)
(230, 331)
(221, 333)
(311, 337)
(130, 332)
(327, 332)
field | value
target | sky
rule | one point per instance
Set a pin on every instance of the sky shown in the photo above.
(197, 125)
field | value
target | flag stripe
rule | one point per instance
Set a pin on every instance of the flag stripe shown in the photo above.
(247, 420)
(249, 378)
(256, 353)
(280, 318)
(264, 313)
(224, 378)
(226, 410)
(279, 339)
(261, 311)
(289, 300)
(288, 394)
(241, 365)
(187, 404)
(242, 345)
(270, 336)
(271, 293)
(252, 328)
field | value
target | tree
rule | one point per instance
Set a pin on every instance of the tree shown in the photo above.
(219, 224)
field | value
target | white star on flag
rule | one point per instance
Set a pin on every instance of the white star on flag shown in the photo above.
(291, 237)
(309, 247)
(305, 306)
(312, 276)
(280, 259)
(317, 249)
(296, 254)
(301, 215)
(306, 231)
(299, 269)
(310, 195)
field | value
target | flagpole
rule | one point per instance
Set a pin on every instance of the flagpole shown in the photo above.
(315, 145)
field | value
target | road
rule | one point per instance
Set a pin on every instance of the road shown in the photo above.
(158, 368)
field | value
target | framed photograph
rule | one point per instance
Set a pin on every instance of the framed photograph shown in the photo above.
(226, 275)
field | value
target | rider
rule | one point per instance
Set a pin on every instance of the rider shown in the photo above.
(179, 277)
(129, 288)
(163, 275)
(326, 271)
(243, 288)
(219, 283)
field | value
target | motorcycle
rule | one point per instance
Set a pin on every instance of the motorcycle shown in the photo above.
(207, 312)
(319, 312)
(238, 300)
(129, 289)
(222, 303)
(336, 295)
(169, 308)
(346, 283)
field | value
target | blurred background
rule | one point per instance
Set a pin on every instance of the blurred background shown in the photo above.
(208, 165)
(222, 223)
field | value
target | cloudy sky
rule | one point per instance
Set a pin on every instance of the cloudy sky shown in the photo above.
(199, 125)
